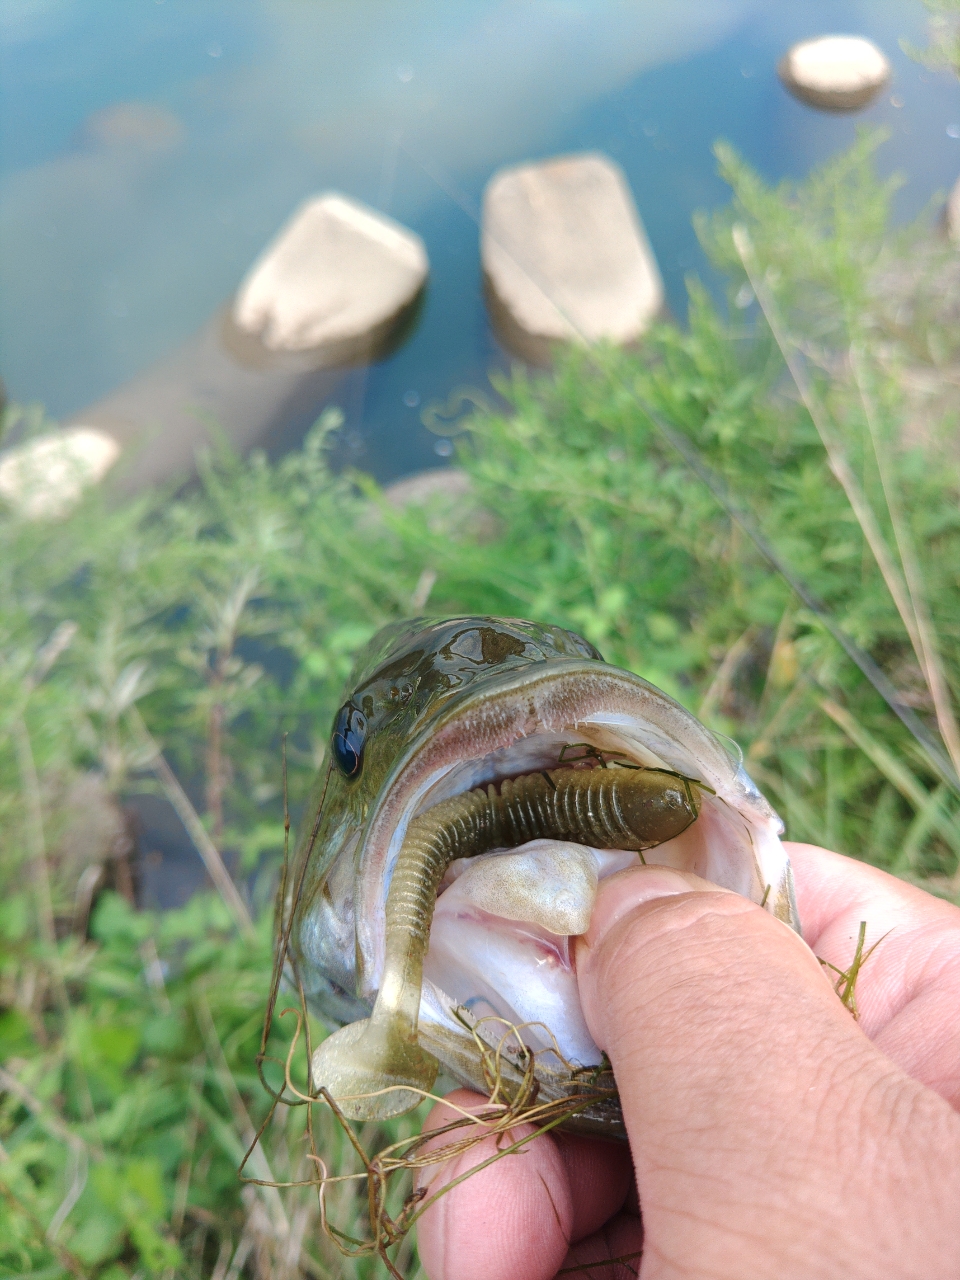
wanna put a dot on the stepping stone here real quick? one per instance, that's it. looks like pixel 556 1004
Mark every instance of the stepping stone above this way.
pixel 45 477
pixel 448 497
pixel 835 73
pixel 449 484
pixel 335 282
pixel 565 257
pixel 334 288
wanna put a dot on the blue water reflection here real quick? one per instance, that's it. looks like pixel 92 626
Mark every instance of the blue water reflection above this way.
pixel 123 229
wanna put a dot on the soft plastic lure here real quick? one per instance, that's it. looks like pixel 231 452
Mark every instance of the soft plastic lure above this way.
pixel 613 808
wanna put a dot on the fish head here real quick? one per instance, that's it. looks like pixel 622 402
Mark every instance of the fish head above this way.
pixel 402 681
pixel 434 709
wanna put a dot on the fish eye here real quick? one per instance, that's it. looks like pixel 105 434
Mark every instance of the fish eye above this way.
pixel 349 736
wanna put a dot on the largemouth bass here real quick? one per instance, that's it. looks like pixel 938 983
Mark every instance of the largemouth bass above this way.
pixel 484 775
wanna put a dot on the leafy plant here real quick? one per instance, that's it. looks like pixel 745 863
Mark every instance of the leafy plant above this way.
pixel 943 51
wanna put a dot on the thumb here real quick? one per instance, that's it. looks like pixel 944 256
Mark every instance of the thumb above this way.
pixel 769 1137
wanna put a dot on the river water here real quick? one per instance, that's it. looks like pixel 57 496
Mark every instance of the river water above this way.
pixel 150 148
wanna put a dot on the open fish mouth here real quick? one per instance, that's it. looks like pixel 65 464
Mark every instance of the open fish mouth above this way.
pixel 477 862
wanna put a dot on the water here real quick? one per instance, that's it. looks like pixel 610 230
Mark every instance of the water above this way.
pixel 121 231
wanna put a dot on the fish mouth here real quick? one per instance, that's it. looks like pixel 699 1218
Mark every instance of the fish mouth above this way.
pixel 519 967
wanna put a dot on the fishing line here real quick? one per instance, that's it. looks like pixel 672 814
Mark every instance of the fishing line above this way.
pixel 718 488
pixel 283 957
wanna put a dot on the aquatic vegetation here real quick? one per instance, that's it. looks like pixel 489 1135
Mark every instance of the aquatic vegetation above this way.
pixel 943 50
pixel 169 643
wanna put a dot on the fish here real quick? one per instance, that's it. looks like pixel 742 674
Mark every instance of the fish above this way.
pixel 483 776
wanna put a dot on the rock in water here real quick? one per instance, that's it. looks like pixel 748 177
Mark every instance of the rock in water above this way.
pixel 565 256
pixel 332 289
pixel 335 282
pixel 835 73
pixel 449 483
pixel 44 477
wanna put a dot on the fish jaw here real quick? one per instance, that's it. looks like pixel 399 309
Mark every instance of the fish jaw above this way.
pixel 517 724
pixel 502 941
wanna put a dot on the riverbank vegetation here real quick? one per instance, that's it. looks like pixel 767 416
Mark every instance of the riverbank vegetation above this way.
pixel 759 512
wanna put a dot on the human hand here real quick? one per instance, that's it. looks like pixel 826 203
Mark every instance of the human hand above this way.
pixel 771 1134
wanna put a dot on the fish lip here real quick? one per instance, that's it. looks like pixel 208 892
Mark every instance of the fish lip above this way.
pixel 498 710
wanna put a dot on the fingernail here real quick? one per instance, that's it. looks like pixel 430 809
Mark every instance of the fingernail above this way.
pixel 622 893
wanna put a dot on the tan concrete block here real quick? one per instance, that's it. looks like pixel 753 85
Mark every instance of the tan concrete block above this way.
pixel 565 256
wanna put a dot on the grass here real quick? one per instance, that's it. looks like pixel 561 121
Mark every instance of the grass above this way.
pixel 166 645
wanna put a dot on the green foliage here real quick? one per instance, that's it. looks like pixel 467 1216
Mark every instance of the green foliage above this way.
pixel 943 51
pixel 129 1104
pixel 211 622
